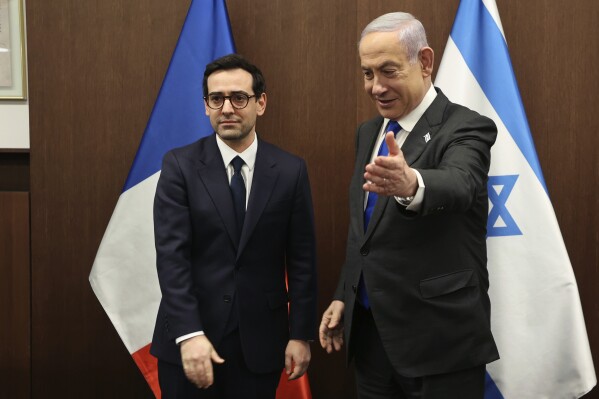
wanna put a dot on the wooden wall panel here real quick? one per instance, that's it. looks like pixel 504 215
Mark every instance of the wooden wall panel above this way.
pixel 92 87
pixel 15 294
pixel 95 68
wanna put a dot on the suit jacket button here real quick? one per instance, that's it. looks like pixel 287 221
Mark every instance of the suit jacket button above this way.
pixel 227 298
pixel 354 288
pixel 364 251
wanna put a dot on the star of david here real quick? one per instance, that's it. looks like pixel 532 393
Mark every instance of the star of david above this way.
pixel 500 222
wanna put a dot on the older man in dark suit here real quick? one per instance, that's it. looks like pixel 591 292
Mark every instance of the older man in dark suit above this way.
pixel 233 218
pixel 412 299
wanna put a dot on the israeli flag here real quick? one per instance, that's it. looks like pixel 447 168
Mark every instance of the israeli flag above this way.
pixel 536 316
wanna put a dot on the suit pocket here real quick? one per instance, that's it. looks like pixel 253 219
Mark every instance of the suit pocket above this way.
pixel 277 299
pixel 447 283
pixel 282 205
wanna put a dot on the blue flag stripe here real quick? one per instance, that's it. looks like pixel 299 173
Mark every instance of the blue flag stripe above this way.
pixel 178 116
pixel 485 51
pixel 491 390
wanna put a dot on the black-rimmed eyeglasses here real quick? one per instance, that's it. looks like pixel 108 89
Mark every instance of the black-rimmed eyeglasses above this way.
pixel 237 100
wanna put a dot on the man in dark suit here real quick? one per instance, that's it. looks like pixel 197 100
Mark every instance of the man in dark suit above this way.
pixel 412 301
pixel 233 220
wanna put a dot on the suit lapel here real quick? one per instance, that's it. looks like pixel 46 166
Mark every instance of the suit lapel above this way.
pixel 263 182
pixel 425 129
pixel 213 174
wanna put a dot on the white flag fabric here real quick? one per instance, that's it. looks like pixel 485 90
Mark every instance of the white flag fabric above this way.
pixel 536 315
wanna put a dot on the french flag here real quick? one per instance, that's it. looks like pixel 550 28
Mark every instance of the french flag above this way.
pixel 123 275
pixel 536 316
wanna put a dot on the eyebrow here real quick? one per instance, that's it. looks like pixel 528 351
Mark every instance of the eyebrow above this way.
pixel 220 93
pixel 388 64
pixel 384 65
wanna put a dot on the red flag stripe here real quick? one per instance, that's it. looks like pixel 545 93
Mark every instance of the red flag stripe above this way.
pixel 148 365
pixel 297 389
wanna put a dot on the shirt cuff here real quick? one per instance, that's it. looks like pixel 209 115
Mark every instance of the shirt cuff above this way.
pixel 187 336
pixel 416 203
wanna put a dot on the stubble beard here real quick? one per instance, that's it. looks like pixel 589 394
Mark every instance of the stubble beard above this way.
pixel 234 135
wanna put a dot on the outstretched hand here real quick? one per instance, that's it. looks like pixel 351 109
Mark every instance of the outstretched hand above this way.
pixel 391 175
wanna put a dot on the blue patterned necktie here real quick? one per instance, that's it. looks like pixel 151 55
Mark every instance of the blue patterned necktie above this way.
pixel 394 127
pixel 238 191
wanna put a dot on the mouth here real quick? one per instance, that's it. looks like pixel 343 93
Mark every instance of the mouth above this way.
pixel 385 102
pixel 228 122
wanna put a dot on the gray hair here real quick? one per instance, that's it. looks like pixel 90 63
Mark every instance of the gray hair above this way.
pixel 410 32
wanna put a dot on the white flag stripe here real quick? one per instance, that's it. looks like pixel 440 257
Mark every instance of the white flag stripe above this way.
pixel 126 265
pixel 492 8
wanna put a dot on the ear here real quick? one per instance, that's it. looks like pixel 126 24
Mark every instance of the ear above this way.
pixel 427 60
pixel 261 105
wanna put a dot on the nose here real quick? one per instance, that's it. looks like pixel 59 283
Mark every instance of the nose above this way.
pixel 378 86
pixel 227 107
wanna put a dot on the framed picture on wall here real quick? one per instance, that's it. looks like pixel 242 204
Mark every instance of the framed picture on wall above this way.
pixel 13 69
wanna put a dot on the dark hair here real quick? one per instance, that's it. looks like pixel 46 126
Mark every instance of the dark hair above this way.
pixel 235 61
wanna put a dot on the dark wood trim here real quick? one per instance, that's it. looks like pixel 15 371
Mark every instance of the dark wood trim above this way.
pixel 15 295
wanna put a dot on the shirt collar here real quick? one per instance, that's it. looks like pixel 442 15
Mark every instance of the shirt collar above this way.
pixel 408 122
pixel 248 155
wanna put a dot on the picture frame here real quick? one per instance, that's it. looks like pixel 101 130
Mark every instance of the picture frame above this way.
pixel 13 68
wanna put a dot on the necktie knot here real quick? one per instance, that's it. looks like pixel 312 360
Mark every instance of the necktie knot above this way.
pixel 237 163
pixel 394 127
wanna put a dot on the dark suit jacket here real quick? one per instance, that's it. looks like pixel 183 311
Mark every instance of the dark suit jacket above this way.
pixel 426 272
pixel 204 272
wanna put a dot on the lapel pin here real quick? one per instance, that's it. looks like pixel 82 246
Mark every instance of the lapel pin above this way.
pixel 427 137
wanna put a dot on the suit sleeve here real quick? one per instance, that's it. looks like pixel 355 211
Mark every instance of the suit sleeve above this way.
pixel 173 238
pixel 301 262
pixel 459 178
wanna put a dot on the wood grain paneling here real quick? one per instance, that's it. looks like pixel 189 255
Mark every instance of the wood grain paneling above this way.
pixel 15 294
pixel 95 68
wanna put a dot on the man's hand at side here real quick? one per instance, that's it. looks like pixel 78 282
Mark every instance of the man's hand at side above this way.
pixel 197 355
pixel 331 327
pixel 297 358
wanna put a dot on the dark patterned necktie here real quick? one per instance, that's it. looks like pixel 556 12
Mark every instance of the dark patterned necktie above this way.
pixel 238 191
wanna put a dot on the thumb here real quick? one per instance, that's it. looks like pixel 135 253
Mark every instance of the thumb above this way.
pixel 216 358
pixel 334 320
pixel 288 363
pixel 392 144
